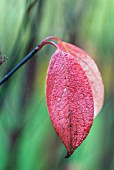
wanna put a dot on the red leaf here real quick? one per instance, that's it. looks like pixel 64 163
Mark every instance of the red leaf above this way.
pixel 69 100
pixel 91 71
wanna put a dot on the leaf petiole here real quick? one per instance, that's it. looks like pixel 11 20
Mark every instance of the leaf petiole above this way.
pixel 28 57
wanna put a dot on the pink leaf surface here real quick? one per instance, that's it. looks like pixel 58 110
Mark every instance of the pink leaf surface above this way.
pixel 91 71
pixel 69 100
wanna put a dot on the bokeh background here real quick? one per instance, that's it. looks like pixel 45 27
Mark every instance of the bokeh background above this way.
pixel 27 138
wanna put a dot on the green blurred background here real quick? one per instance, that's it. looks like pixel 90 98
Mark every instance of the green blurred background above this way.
pixel 27 138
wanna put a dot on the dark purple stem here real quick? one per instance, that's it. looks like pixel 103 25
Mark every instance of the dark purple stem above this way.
pixel 28 57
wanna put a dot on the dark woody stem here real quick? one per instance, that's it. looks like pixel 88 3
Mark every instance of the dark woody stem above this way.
pixel 28 57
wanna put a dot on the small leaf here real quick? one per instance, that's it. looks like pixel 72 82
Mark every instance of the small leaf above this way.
pixel 91 71
pixel 69 100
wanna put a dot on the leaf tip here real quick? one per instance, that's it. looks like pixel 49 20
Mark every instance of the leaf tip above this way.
pixel 67 156
pixel 69 153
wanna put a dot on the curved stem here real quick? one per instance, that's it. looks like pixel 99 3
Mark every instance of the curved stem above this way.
pixel 52 38
pixel 28 57
pixel 46 42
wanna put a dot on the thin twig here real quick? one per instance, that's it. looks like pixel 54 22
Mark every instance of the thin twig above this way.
pixel 28 57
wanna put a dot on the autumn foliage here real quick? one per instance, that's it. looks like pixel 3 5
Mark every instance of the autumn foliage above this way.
pixel 74 91
pixel 74 94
